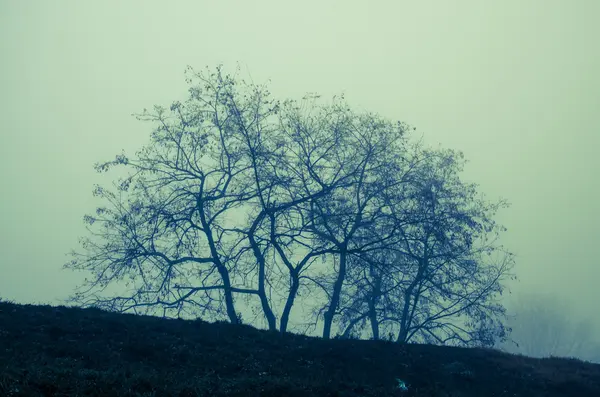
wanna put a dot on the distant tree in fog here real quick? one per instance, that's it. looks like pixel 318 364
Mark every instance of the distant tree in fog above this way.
pixel 543 325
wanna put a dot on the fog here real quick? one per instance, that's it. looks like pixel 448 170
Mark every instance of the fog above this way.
pixel 512 84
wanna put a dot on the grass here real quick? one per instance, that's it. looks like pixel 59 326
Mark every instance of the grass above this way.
pixel 61 351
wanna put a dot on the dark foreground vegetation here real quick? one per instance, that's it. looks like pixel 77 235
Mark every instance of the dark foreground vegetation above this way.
pixel 60 351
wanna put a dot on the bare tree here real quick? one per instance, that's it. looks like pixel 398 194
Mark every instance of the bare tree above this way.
pixel 228 153
pixel 238 195
pixel 284 176
pixel 440 282
pixel 368 151
pixel 165 228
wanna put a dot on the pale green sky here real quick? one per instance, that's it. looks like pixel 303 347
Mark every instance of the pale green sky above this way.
pixel 514 84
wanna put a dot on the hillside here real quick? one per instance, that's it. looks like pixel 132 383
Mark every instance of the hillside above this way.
pixel 60 351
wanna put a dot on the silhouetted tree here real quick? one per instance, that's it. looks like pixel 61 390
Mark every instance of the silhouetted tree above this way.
pixel 440 282
pixel 239 195
pixel 165 224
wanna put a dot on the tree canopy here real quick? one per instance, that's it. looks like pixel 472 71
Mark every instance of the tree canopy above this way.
pixel 241 200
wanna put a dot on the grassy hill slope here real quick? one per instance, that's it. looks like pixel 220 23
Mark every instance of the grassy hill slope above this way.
pixel 60 351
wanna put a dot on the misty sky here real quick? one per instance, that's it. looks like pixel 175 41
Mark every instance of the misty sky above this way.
pixel 514 84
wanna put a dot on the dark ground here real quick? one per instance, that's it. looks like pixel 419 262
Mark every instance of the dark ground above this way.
pixel 60 351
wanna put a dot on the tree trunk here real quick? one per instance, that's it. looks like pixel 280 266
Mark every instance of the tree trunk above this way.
pixel 403 333
pixel 229 303
pixel 373 320
pixel 376 292
pixel 335 297
pixel 350 326
pixel 264 301
pixel 285 316
pixel 407 317
pixel 222 269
